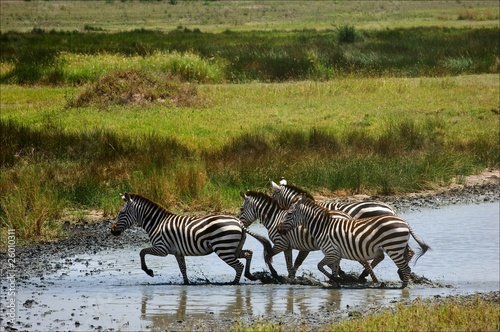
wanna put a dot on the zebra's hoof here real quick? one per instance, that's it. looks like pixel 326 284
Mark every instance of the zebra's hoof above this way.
pixel 250 277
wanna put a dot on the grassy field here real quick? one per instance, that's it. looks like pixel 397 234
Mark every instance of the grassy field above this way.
pixel 218 16
pixel 360 135
pixel 454 314
pixel 188 102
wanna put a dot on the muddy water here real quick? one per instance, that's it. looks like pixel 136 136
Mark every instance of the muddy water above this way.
pixel 108 290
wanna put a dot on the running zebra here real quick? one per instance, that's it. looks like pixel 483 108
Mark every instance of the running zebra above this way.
pixel 260 206
pixel 359 240
pixel 187 236
pixel 285 194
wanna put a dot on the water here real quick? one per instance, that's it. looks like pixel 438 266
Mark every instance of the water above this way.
pixel 110 290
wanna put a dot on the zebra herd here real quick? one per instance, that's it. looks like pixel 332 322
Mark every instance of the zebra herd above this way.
pixel 360 231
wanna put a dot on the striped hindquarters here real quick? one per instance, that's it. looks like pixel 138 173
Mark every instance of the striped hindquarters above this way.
pixel 363 238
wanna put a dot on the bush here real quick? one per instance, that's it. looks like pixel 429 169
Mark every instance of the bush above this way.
pixel 347 34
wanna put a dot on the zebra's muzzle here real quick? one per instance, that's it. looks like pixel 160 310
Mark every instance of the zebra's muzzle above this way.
pixel 115 231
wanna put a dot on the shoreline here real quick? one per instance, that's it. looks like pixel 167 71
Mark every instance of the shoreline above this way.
pixel 47 258
pixel 92 237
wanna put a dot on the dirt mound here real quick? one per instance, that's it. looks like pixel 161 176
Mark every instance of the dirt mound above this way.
pixel 132 87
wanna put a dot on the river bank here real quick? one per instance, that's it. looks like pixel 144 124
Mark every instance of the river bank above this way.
pixel 91 237
pixel 82 254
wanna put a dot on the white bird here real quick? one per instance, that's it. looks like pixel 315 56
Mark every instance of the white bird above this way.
pixel 283 181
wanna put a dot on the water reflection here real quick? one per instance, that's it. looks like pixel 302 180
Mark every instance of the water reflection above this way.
pixel 180 304
pixel 186 303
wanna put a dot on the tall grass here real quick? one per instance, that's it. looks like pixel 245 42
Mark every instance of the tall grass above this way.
pixel 46 170
pixel 30 204
pixel 82 68
pixel 450 315
pixel 246 56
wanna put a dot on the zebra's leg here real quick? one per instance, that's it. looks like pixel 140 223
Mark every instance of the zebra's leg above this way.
pixel 182 266
pixel 232 260
pixel 277 248
pixel 333 262
pixel 289 263
pixel 409 252
pixel 380 257
pixel 369 269
pixel 247 255
pixel 150 251
pixel 302 255
pixel 404 270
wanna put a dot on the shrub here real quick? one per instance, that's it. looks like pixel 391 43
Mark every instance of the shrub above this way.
pixel 347 34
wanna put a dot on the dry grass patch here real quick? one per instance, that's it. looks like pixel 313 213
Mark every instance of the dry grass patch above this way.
pixel 136 87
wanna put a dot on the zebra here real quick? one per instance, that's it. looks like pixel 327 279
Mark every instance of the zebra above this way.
pixel 363 239
pixel 285 194
pixel 257 205
pixel 187 235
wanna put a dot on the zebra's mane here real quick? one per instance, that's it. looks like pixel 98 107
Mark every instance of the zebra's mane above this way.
pixel 299 191
pixel 148 201
pixel 315 206
pixel 264 196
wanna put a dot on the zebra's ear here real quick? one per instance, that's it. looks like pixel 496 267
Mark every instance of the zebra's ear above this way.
pixel 126 197
pixel 275 186
pixel 242 194
pixel 297 199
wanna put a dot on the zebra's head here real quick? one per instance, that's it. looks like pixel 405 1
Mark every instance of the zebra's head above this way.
pixel 285 193
pixel 248 212
pixel 125 217
pixel 292 218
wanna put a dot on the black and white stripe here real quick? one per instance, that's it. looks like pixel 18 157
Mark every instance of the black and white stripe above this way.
pixel 259 206
pixel 186 235
pixel 359 240
pixel 285 194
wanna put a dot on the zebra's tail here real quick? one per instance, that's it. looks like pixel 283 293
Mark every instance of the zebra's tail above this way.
pixel 268 247
pixel 423 246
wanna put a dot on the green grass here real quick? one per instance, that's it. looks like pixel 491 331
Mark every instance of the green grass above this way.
pixel 218 16
pixel 421 315
pixel 450 315
pixel 271 56
pixel 375 136
pixel 104 97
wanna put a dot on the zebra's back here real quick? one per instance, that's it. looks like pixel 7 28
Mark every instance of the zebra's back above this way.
pixel 360 210
pixel 286 194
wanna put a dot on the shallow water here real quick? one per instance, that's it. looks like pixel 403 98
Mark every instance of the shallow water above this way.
pixel 109 289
